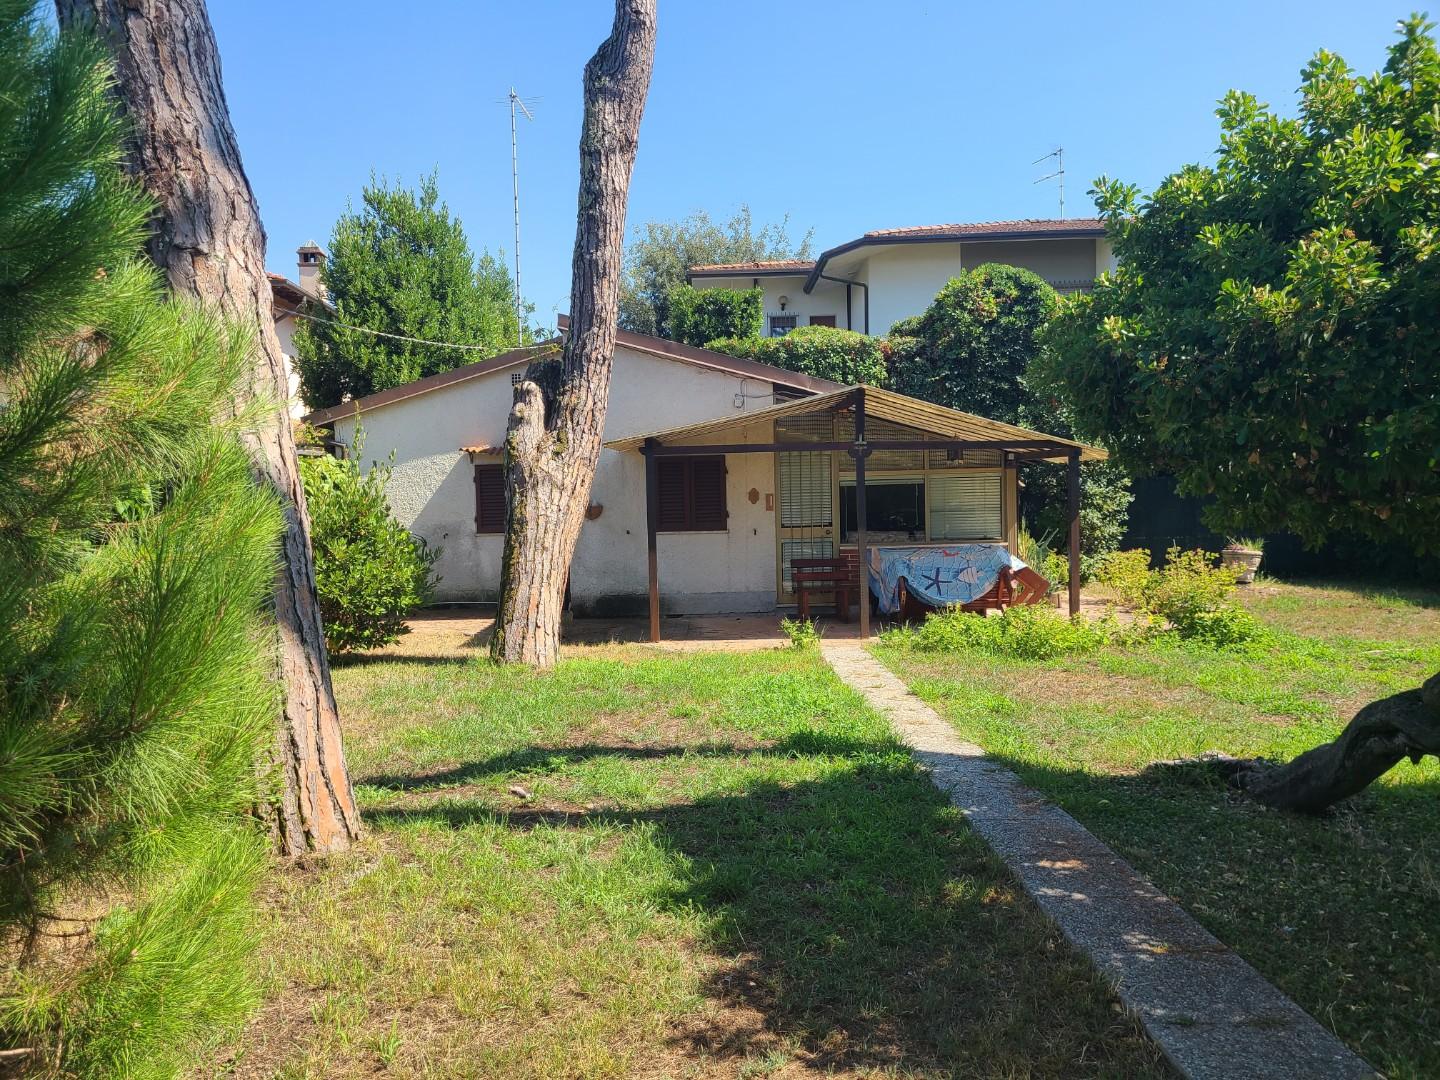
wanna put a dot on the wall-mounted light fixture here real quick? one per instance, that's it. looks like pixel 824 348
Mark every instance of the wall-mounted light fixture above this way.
pixel 783 301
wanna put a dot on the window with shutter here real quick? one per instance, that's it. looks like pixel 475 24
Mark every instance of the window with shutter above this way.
pixel 691 494
pixel 489 498
pixel 965 506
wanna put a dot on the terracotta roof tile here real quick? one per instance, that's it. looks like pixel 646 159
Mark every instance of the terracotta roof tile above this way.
pixel 800 266
pixel 989 228
pixel 480 448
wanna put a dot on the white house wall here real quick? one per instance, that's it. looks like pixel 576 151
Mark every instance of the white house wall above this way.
pixel 904 278
pixel 432 491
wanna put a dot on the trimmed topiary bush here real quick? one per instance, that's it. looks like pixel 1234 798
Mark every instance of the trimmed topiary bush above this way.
pixel 825 352
pixel 700 315
pixel 370 572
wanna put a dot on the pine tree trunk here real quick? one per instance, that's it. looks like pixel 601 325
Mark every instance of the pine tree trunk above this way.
pixel 210 243
pixel 558 416
pixel 1378 737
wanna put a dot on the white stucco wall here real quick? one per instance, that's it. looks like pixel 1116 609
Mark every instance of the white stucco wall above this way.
pixel 432 490
pixel 285 331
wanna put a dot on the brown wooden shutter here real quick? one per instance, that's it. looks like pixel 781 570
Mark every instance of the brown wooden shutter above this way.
pixel 707 498
pixel 691 494
pixel 489 498
pixel 672 476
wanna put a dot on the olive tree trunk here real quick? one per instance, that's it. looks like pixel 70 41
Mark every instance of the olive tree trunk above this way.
pixel 553 441
pixel 209 241
pixel 1378 737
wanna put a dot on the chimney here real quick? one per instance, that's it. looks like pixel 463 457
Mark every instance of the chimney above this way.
pixel 312 258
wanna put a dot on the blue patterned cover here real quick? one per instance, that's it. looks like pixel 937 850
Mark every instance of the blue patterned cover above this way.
pixel 941 576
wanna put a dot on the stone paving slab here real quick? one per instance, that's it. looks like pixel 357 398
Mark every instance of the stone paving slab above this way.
pixel 1212 1014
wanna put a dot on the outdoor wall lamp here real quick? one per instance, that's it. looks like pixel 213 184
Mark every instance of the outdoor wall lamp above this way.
pixel 783 301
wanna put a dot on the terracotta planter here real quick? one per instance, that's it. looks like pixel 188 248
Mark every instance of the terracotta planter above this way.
pixel 1246 560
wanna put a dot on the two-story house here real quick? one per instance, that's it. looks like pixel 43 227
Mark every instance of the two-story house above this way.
pixel 870 283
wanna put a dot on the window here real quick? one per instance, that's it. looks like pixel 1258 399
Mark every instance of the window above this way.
pixel 964 507
pixel 892 506
pixel 822 320
pixel 780 325
pixel 692 494
pixel 489 498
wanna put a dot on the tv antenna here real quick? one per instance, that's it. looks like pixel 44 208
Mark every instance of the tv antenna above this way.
pixel 515 101
pixel 1059 174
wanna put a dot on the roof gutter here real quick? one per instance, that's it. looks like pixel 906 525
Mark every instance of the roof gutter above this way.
pixel 849 323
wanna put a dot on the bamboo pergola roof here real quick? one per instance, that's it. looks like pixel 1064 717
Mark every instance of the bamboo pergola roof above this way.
pixel 945 424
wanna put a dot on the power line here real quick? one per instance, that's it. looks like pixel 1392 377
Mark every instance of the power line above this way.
pixel 402 337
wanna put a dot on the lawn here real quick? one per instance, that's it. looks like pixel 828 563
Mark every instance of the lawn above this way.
pixel 1340 911
pixel 652 864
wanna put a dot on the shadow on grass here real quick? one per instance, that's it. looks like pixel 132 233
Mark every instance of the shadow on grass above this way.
pixel 359 660
pixel 1315 903
pixel 854 918
pixel 546 760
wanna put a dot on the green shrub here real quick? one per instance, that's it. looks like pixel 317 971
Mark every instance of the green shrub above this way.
pixel 370 573
pixel 1190 591
pixel 1056 570
pixel 701 315
pixel 825 352
pixel 1126 572
pixel 803 633
pixel 1030 633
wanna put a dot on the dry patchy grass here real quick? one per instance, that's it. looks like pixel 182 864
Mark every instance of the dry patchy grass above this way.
pixel 658 865
pixel 1341 911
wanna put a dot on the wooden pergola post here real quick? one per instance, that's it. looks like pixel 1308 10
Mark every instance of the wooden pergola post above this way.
pixel 862 554
pixel 652 521
pixel 1074 508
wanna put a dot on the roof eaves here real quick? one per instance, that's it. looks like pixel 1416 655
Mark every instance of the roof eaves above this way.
pixel 405 391
pixel 952 234
pixel 730 365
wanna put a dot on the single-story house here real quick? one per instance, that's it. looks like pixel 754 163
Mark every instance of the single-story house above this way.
pixel 725 468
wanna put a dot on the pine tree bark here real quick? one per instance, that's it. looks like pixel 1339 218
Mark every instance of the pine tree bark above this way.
pixel 209 241
pixel 558 416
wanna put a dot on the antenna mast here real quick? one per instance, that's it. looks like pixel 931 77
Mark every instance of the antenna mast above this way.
pixel 1059 174
pixel 516 102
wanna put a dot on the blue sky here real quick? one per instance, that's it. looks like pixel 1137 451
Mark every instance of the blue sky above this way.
pixel 845 115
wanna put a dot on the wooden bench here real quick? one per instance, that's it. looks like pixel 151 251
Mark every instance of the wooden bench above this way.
pixel 836 574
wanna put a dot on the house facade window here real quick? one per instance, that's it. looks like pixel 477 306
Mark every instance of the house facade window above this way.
pixel 780 325
pixel 489 498
pixel 691 494
pixel 822 320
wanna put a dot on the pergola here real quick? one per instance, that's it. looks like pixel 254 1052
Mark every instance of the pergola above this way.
pixel 947 430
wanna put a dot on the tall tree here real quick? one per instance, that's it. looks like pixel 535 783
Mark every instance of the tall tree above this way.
pixel 553 441
pixel 402 265
pixel 662 251
pixel 208 240
pixel 1270 338
pixel 136 555
pixel 970 349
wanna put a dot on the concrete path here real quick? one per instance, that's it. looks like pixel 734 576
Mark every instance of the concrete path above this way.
pixel 1210 1012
